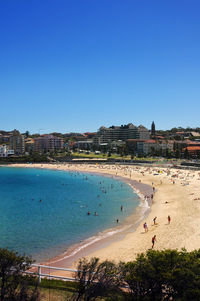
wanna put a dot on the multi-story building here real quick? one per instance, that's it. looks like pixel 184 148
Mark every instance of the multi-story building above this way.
pixel 193 151
pixel 123 132
pixel 86 145
pixel 29 145
pixel 4 138
pixel 48 143
pixel 149 147
pixel 17 142
pixel 142 133
pixel 5 151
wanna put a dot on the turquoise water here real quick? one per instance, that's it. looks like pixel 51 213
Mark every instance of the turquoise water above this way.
pixel 42 212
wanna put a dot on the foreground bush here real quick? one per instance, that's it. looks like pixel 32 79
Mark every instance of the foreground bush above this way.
pixel 168 275
pixel 96 279
pixel 13 285
pixel 156 275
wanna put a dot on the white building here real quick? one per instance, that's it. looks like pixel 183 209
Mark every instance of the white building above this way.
pixel 5 152
pixel 151 146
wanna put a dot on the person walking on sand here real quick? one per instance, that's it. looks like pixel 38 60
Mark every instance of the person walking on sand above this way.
pixel 145 227
pixel 169 219
pixel 153 241
pixel 154 220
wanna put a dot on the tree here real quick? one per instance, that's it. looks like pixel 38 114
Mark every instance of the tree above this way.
pixel 153 130
pixel 27 134
pixel 186 154
pixel 96 279
pixel 177 154
pixel 13 285
pixel 164 275
pixel 153 276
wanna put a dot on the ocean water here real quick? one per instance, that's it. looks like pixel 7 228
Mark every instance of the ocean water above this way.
pixel 42 212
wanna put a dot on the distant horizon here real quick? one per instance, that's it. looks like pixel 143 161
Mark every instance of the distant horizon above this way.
pixel 92 131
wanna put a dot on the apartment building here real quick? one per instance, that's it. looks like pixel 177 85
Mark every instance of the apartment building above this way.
pixel 148 147
pixel 29 145
pixel 86 145
pixel 4 138
pixel 17 143
pixel 48 143
pixel 123 132
pixel 5 151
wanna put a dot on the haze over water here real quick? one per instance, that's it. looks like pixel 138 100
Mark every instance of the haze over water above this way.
pixel 42 212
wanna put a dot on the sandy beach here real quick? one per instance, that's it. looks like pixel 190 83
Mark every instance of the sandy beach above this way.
pixel 176 194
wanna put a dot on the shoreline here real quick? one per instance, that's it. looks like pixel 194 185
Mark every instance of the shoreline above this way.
pixel 106 237
pixel 179 200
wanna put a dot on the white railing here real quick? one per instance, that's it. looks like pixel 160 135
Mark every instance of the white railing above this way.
pixel 41 275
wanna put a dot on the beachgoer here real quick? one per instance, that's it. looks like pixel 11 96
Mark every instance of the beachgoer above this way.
pixel 153 241
pixel 121 208
pixel 169 219
pixel 145 227
pixel 154 220
pixel 117 221
pixel 88 213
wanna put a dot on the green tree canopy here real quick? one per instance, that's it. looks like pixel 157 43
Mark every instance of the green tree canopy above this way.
pixel 13 284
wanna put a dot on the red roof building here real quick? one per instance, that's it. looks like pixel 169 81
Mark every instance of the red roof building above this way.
pixel 193 150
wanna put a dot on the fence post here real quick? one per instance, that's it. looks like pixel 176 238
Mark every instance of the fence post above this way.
pixel 39 273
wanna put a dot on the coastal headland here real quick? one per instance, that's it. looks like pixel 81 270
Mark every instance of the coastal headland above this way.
pixel 175 193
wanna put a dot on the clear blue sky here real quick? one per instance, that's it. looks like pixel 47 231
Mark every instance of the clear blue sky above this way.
pixel 74 65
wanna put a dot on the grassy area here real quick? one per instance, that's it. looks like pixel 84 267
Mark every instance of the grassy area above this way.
pixel 90 155
pixel 118 157
pixel 102 156
pixel 64 290
pixel 56 290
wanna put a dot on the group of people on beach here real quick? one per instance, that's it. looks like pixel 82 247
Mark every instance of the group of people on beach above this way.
pixel 154 223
